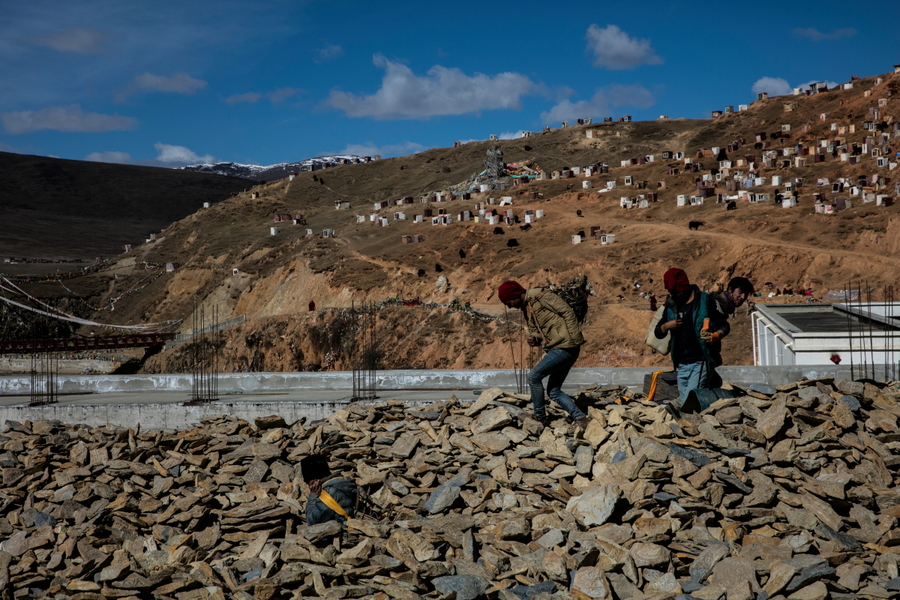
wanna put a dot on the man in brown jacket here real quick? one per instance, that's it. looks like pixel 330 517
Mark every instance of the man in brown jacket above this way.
pixel 552 324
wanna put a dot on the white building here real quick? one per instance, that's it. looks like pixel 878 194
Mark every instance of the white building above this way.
pixel 819 334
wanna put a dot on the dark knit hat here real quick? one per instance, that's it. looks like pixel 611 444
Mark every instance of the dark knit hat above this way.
pixel 314 466
pixel 676 280
pixel 509 290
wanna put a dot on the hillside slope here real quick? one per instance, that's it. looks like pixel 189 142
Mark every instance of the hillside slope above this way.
pixel 55 208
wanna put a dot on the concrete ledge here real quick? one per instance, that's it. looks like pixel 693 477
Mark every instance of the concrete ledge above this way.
pixel 167 410
pixel 745 376
pixel 397 380
pixel 172 415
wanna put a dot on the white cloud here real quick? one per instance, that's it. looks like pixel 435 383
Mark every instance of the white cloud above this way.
pixel 568 111
pixel 64 118
pixel 616 50
pixel 180 156
pixel 816 35
pixel 274 97
pixel 510 135
pixel 79 40
pixel 776 86
pixel 122 158
pixel 329 53
pixel 390 150
pixel 442 91
pixel 193 37
pixel 773 86
pixel 612 95
pixel 282 94
pixel 250 97
pixel 628 95
pixel 179 83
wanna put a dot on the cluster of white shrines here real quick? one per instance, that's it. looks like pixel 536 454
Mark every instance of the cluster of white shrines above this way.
pixel 743 177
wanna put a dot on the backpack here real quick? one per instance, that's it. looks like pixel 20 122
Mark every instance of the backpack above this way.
pixel 575 293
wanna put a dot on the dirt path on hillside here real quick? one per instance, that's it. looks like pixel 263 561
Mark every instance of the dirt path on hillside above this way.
pixel 730 237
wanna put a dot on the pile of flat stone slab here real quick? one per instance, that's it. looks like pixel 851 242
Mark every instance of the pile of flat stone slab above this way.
pixel 787 493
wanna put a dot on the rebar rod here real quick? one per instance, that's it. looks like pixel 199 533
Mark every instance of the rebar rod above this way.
pixel 862 334
pixel 523 369
pixel 44 366
pixel 895 362
pixel 374 339
pixel 892 357
pixel 195 392
pixel 355 347
pixel 886 338
pixel 848 306
pixel 203 356
pixel 364 352
pixel 867 330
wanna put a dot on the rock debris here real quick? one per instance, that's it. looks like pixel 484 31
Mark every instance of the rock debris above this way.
pixel 779 493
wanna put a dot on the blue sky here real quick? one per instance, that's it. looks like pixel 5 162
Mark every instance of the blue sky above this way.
pixel 171 83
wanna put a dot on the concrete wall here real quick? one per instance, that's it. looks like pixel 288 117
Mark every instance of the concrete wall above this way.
pixel 156 401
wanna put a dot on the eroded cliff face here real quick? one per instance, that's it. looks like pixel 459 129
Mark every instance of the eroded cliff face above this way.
pixel 418 337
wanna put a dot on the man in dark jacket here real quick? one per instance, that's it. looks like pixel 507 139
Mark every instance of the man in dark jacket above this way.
pixel 551 323
pixel 695 347
pixel 330 499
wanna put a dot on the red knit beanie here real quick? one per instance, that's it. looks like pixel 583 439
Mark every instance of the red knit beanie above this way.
pixel 509 290
pixel 676 280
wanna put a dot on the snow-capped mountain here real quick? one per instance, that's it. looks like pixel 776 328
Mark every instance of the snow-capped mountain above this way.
pixel 273 172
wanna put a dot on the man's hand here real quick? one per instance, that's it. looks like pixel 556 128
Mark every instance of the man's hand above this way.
pixel 710 337
pixel 670 325
pixel 533 341
pixel 315 486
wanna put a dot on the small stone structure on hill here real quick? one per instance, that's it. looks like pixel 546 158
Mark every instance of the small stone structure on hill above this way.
pixel 493 163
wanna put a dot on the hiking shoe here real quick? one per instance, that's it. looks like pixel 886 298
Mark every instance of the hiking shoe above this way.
pixel 543 420
pixel 577 427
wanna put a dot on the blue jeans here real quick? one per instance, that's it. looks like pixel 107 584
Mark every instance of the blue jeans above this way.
pixel 692 376
pixel 555 365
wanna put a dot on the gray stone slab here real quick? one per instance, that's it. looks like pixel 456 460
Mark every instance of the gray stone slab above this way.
pixel 466 587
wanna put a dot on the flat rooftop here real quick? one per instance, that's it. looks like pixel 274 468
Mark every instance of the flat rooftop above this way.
pixel 834 318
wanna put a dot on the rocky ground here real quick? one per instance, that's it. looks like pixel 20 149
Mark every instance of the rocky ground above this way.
pixel 787 493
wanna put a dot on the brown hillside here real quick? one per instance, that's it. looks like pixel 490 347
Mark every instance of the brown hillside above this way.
pixel 278 275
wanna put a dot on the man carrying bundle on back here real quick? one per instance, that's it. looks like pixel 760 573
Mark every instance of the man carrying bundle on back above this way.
pixel 551 323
